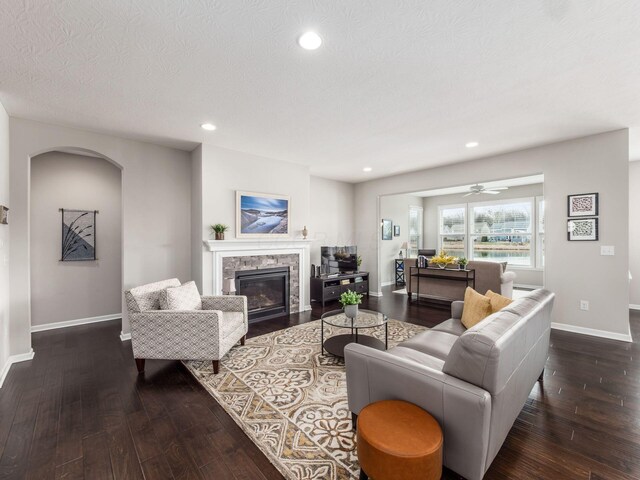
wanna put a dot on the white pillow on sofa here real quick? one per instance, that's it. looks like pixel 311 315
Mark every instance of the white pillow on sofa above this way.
pixel 184 297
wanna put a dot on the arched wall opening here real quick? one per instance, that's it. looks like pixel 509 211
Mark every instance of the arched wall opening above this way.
pixel 74 291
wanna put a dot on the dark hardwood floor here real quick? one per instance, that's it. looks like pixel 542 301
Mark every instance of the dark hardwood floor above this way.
pixel 79 410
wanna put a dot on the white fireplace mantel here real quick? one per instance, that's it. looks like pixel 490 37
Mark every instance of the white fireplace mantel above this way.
pixel 262 246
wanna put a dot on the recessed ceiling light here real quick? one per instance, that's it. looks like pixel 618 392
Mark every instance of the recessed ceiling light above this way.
pixel 309 41
pixel 208 126
pixel 367 169
pixel 471 144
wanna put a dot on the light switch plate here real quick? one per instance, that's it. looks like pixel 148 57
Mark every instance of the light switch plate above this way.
pixel 607 250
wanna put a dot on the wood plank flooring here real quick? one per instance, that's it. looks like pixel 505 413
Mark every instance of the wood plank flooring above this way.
pixel 79 410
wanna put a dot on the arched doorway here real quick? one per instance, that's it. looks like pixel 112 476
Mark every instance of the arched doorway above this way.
pixel 69 287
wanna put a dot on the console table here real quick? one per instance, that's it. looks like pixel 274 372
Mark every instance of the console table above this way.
pixel 441 275
pixel 328 287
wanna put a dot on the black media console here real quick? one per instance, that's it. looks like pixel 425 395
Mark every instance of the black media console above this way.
pixel 327 288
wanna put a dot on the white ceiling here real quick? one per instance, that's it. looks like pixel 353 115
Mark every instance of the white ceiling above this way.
pixel 397 86
pixel 512 182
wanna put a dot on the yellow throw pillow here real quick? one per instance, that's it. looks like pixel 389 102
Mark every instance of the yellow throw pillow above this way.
pixel 498 302
pixel 477 307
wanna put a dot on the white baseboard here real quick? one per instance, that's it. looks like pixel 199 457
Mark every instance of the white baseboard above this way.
pixel 125 336
pixel 633 306
pixel 375 294
pixel 15 359
pixel 386 284
pixel 306 308
pixel 73 323
pixel 624 337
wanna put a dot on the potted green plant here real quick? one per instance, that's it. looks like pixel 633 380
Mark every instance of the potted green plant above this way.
pixel 219 230
pixel 462 263
pixel 359 261
pixel 350 301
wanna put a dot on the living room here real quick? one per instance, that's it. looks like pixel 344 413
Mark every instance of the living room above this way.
pixel 198 253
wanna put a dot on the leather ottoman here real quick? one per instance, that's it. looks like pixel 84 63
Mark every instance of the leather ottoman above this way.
pixel 397 440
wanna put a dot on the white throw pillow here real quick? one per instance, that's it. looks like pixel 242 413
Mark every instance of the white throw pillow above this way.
pixel 184 297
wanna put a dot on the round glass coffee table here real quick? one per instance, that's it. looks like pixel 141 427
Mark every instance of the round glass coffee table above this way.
pixel 365 319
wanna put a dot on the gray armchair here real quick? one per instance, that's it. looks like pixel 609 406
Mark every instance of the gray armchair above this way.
pixel 206 334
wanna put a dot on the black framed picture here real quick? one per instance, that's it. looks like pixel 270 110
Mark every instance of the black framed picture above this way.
pixel 582 205
pixel 387 229
pixel 78 235
pixel 582 229
pixel 396 230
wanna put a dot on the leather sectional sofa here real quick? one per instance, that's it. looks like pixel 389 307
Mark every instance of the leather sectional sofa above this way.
pixel 474 382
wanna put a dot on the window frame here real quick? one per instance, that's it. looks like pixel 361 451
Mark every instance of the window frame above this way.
pixel 464 235
pixel 420 233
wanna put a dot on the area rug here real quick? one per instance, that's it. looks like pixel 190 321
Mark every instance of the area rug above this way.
pixel 291 400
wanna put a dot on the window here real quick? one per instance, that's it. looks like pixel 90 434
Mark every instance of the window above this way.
pixel 415 231
pixel 502 231
pixel 453 229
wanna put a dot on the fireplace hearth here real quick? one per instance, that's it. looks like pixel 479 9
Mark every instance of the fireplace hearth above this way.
pixel 267 292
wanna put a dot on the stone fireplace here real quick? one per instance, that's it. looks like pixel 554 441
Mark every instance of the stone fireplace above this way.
pixel 233 259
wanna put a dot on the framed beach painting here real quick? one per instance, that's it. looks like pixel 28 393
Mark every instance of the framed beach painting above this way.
pixel 261 215
pixel 387 229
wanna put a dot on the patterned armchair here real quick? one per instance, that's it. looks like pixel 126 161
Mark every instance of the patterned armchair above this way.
pixel 206 334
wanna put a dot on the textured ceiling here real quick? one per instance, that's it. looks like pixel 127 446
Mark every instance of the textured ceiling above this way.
pixel 397 85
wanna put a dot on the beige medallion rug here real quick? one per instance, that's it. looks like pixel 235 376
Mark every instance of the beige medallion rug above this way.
pixel 291 400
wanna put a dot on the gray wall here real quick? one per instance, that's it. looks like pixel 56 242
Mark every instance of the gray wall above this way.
pixel 325 207
pixel 332 215
pixel 5 334
pixel 634 233
pixel 63 291
pixel 525 276
pixel 395 208
pixel 156 196
pixel 196 217
pixel 225 171
pixel 574 270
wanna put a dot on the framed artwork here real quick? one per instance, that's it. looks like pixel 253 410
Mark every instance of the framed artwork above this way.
pixel 583 205
pixel 396 230
pixel 261 215
pixel 582 229
pixel 387 229
pixel 4 215
pixel 78 235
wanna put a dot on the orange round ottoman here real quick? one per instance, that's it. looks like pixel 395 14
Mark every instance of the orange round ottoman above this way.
pixel 398 441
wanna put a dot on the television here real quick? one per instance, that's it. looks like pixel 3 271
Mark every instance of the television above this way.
pixel 339 259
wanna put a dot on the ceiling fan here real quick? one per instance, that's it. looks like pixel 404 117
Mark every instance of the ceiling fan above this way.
pixel 477 189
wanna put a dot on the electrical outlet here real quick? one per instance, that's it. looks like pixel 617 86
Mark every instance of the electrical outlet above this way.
pixel 584 305
pixel 607 250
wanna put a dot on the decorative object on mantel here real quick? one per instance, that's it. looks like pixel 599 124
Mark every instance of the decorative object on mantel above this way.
pixel 218 229
pixel 582 229
pixel 350 301
pixel 396 230
pixel 582 205
pixel 78 235
pixel 405 247
pixel 305 232
pixel 229 286
pixel 387 229
pixel 4 215
pixel 261 215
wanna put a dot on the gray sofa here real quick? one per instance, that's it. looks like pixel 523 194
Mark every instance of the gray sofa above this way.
pixel 474 382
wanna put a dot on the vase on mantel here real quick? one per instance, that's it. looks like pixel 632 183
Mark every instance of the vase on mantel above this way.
pixel 219 235
pixel 351 311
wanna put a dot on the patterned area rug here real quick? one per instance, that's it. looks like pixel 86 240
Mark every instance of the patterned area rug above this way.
pixel 291 400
